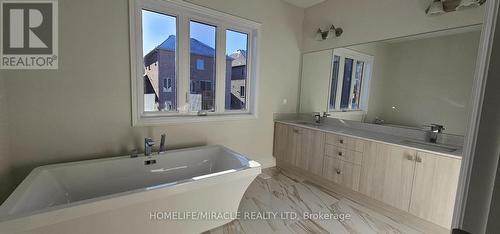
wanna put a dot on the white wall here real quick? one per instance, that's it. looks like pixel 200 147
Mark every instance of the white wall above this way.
pixel 5 175
pixel 83 110
pixel 482 208
pixel 380 53
pixel 368 20
pixel 315 80
pixel 427 80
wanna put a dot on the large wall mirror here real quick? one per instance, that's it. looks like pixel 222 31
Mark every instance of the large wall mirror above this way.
pixel 408 82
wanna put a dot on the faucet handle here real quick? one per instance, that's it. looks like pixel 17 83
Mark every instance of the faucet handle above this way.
pixel 149 141
pixel 435 127
pixel 438 126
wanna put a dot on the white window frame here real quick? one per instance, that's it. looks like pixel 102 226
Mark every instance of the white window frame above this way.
pixel 365 84
pixel 184 13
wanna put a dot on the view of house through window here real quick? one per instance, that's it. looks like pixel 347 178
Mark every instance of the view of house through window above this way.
pixel 236 71
pixel 333 86
pixel 159 47
pixel 204 87
pixel 349 70
pixel 202 72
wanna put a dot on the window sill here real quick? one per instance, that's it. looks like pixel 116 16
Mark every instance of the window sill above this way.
pixel 347 111
pixel 169 120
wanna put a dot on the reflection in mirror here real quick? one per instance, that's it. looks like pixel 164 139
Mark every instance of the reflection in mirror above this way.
pixel 406 82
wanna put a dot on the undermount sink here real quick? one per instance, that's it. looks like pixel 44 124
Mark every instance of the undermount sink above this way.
pixel 429 146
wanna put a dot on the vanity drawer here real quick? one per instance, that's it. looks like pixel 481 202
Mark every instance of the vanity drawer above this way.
pixel 343 154
pixel 342 172
pixel 345 142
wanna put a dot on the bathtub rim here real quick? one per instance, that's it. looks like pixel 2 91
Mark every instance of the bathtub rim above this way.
pixel 95 205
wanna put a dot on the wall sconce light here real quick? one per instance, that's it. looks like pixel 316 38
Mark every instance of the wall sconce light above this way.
pixel 438 7
pixel 466 4
pixel 327 34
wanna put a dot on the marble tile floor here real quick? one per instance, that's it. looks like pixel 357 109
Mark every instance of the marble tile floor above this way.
pixel 284 195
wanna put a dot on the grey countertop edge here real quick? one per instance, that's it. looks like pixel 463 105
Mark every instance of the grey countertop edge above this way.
pixel 456 154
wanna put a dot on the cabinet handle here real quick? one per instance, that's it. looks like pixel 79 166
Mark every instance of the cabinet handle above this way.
pixel 411 158
pixel 340 153
pixel 296 131
pixel 341 141
pixel 418 159
pixel 339 172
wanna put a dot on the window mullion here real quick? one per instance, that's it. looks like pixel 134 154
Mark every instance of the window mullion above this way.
pixel 183 59
pixel 220 71
pixel 340 81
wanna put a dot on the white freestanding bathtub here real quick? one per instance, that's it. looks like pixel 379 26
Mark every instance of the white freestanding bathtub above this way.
pixel 157 194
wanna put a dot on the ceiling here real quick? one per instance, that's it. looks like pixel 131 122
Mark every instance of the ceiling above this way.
pixel 304 3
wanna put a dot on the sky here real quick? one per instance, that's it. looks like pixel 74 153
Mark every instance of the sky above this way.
pixel 157 27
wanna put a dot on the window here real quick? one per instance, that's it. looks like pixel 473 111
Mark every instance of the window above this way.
pixel 236 76
pixel 202 48
pixel 349 83
pixel 167 85
pixel 159 58
pixel 242 91
pixel 200 64
pixel 190 60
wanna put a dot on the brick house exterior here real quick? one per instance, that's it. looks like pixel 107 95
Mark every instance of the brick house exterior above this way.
pixel 160 77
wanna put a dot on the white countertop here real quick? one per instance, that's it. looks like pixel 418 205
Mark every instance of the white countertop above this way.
pixel 377 137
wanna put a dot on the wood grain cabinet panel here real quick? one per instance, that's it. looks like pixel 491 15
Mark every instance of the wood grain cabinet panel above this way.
pixel 312 150
pixel 300 147
pixel 280 141
pixel 345 142
pixel 435 187
pixel 343 154
pixel 387 174
pixel 286 143
pixel 342 172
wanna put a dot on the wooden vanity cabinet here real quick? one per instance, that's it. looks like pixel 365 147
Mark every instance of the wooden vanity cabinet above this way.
pixel 300 147
pixel 423 184
pixel 387 174
pixel 434 188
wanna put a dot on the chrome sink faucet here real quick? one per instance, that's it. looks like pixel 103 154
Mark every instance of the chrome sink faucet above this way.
pixel 318 117
pixel 148 146
pixel 149 143
pixel 434 131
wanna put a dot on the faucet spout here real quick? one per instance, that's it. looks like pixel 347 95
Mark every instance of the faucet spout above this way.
pixel 434 131
pixel 162 143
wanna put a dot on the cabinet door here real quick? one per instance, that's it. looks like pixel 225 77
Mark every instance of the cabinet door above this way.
pixel 435 187
pixel 280 141
pixel 286 143
pixel 312 147
pixel 387 174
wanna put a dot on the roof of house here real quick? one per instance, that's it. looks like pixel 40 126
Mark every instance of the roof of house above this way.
pixel 240 58
pixel 197 47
